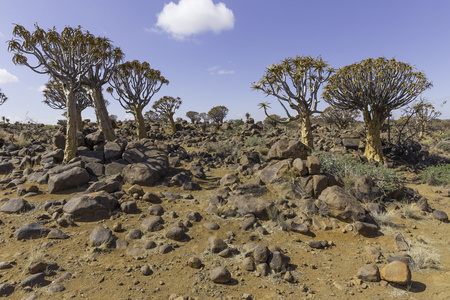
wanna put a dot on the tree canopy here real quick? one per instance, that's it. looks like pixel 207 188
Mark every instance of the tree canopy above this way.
pixel 166 106
pixel 217 114
pixel 193 116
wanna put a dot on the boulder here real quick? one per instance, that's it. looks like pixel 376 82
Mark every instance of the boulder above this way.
pixel 143 173
pixel 101 236
pixel 396 272
pixel 369 273
pixel 6 167
pixel 220 275
pixel 31 231
pixel 154 223
pixel 90 207
pixel 216 244
pixel 273 173
pixel 71 178
pixel 285 148
pixel 278 261
pixel 366 190
pixel 263 209
pixel 342 205
pixel 440 215
pixel 15 205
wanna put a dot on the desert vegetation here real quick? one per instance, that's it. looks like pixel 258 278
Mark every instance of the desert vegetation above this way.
pixel 159 207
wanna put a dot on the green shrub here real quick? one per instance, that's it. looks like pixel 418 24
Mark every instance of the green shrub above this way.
pixel 255 141
pixel 349 169
pixel 436 175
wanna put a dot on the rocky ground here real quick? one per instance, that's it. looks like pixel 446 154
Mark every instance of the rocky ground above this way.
pixel 200 216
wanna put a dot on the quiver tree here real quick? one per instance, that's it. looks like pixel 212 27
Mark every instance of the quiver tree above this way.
pixel 56 99
pixel 135 84
pixel 217 114
pixel 425 113
pixel 65 56
pixel 97 76
pixel 166 106
pixel 2 97
pixel 295 82
pixel 193 116
pixel 375 87
pixel 342 118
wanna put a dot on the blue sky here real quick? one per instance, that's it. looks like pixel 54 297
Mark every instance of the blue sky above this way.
pixel 211 51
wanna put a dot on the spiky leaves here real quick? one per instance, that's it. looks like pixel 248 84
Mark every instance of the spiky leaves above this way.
pixel 375 87
pixel 166 106
pixel 65 56
pixel 135 83
pixel 296 82
pixel 3 97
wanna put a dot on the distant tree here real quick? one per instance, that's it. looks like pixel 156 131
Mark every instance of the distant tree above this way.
pixel 273 120
pixel 166 106
pixel 247 116
pixel 193 116
pixel 342 118
pixel 217 114
pixel 2 97
pixel 425 113
pixel 375 87
pixel 56 99
pixel 295 82
pixel 97 76
pixel 66 56
pixel 135 83
pixel 152 116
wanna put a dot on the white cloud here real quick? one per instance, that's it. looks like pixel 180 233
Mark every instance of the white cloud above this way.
pixel 6 77
pixel 217 71
pixel 191 17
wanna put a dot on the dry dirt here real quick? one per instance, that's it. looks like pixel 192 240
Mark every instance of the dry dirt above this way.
pixel 318 274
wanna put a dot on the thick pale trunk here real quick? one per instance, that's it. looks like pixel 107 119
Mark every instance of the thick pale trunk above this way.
pixel 70 150
pixel 140 123
pixel 374 149
pixel 172 124
pixel 423 127
pixel 101 112
pixel 306 132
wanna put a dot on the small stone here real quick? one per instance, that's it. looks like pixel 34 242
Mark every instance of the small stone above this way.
pixel 175 233
pixel 56 288
pixel 400 243
pixel 248 264
pixel 216 244
pixel 212 226
pixel 117 227
pixel 37 267
pixel 369 273
pixel 194 262
pixel 220 275
pixel 145 270
pixel 288 277
pixel 6 289
pixel 165 249
pixel 149 245
pixel 366 229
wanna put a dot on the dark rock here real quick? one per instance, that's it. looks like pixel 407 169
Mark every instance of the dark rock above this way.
pixel 154 223
pixel 90 207
pixel 129 207
pixel 6 289
pixel 134 234
pixel 71 178
pixel 37 267
pixel 342 205
pixel 366 229
pixel 175 233
pixel 278 261
pixel 274 172
pixel 36 280
pixel 263 209
pixel 285 148
pixel 101 236
pixel 369 273
pixel 216 244
pixel 57 234
pixel 6 167
pixel 440 215
pixel 366 190
pixel 31 231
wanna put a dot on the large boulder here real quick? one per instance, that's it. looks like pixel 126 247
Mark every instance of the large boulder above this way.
pixel 343 205
pixel 147 165
pixel 14 206
pixel 396 272
pixel 31 231
pixel 90 207
pixel 71 178
pixel 366 190
pixel 273 173
pixel 263 209
pixel 6 167
pixel 285 148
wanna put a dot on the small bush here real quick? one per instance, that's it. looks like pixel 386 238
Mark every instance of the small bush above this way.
pixel 349 169
pixel 436 175
pixel 255 141
pixel 384 218
pixel 424 256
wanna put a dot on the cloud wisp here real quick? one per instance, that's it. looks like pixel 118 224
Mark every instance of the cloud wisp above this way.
pixel 192 17
pixel 216 70
pixel 6 77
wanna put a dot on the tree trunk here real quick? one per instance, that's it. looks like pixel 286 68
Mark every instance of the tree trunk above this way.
pixel 140 123
pixel 306 131
pixel 374 149
pixel 79 120
pixel 70 150
pixel 104 123
pixel 172 124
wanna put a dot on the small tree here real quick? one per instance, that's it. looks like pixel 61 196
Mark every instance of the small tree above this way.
pixel 295 82
pixel 342 118
pixel 135 84
pixel 166 106
pixel 193 116
pixel 375 87
pixel 2 97
pixel 56 99
pixel 217 114
pixel 425 113
pixel 66 56
pixel 273 120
